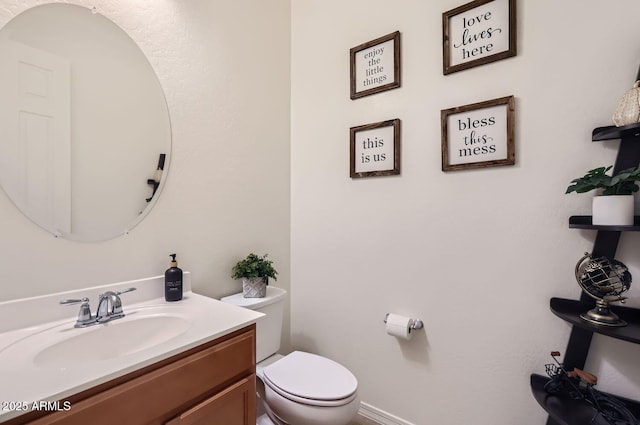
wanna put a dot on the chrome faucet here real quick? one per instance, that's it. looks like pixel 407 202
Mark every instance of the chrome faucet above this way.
pixel 109 308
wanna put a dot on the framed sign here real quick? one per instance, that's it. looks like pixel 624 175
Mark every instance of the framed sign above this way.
pixel 375 149
pixel 477 33
pixel 478 135
pixel 375 66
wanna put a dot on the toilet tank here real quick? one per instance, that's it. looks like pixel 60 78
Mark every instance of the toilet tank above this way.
pixel 269 327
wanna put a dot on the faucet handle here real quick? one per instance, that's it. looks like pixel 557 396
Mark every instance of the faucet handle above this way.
pixel 74 301
pixel 117 308
pixel 84 315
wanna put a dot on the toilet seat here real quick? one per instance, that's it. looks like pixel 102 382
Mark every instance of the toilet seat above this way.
pixel 311 379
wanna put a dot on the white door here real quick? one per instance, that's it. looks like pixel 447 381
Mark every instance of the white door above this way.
pixel 35 141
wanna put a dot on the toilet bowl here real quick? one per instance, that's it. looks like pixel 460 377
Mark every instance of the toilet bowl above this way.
pixel 300 388
pixel 304 388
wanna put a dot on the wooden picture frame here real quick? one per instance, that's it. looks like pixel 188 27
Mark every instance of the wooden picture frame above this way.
pixel 478 135
pixel 375 149
pixel 375 66
pixel 478 33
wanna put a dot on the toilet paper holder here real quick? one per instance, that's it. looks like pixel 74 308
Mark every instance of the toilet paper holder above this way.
pixel 413 323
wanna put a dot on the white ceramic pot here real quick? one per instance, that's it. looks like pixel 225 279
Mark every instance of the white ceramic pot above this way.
pixel 254 288
pixel 613 210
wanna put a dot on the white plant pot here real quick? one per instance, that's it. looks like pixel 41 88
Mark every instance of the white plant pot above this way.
pixel 613 210
pixel 254 288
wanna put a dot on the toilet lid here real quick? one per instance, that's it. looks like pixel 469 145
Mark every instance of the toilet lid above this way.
pixel 311 377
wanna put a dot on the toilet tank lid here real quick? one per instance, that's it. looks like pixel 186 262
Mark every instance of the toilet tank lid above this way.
pixel 274 294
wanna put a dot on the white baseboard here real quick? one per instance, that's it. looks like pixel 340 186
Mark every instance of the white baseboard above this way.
pixel 380 416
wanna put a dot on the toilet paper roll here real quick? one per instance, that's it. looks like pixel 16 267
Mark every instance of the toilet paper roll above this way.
pixel 399 326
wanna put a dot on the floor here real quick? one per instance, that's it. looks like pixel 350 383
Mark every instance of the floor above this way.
pixel 360 420
pixel 357 421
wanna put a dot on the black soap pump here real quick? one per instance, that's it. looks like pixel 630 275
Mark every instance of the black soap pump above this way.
pixel 173 281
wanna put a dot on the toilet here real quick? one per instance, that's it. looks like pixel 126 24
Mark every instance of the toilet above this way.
pixel 300 388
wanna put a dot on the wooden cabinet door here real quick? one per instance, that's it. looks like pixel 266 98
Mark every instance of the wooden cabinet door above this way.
pixel 234 405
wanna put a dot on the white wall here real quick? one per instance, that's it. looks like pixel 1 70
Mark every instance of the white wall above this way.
pixel 224 67
pixel 475 254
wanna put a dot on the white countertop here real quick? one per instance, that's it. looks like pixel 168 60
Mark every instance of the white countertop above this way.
pixel 22 382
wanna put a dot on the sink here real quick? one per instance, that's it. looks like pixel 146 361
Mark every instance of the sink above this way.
pixel 65 347
pixel 44 357
pixel 111 340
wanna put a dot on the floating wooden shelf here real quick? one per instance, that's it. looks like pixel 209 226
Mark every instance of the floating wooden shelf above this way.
pixel 570 310
pixel 613 132
pixel 585 222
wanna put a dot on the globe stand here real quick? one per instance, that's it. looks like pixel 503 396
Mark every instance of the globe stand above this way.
pixel 601 314
pixel 604 280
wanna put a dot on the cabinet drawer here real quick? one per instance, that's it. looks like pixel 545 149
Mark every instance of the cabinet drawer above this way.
pixel 234 405
pixel 163 393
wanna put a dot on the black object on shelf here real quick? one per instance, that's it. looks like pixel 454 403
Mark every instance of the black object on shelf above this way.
pixel 564 411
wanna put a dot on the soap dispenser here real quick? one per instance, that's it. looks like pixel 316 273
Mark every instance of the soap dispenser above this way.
pixel 173 281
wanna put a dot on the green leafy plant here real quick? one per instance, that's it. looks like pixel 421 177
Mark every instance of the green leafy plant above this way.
pixel 623 183
pixel 253 267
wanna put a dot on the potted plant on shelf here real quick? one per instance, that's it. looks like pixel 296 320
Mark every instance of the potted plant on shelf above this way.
pixel 615 204
pixel 255 272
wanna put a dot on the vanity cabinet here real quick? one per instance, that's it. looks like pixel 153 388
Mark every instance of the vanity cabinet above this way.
pixel 563 410
pixel 211 384
pixel 229 407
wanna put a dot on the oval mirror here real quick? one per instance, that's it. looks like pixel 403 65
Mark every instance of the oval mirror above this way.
pixel 84 125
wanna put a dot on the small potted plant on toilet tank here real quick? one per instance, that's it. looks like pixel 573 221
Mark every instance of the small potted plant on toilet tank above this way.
pixel 255 272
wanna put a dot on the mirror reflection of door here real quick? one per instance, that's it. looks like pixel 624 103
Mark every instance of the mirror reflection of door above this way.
pixel 35 167
pixel 89 145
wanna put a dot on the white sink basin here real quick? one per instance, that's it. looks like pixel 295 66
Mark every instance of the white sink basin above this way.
pixel 63 346
pixel 110 340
